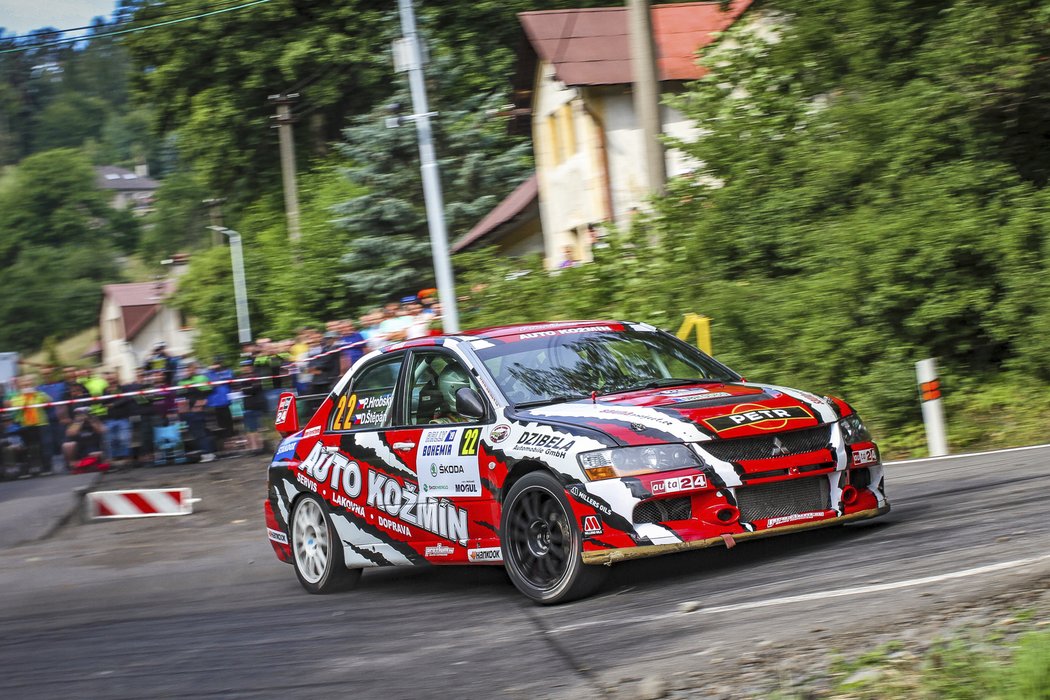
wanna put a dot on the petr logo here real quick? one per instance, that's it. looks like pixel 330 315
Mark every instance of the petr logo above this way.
pixel 759 417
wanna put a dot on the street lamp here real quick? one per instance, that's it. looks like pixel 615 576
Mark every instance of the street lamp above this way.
pixel 244 329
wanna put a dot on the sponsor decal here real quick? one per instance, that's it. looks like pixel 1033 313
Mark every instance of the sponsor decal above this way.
pixel 579 494
pixel 441 550
pixel 794 518
pixel 312 432
pixel 681 392
pixel 758 417
pixel 865 456
pixel 276 536
pixel 282 409
pixel 707 396
pixel 592 525
pixel 485 554
pixel 563 331
pixel 545 444
pixel 286 449
pixel 329 464
pixel 678 483
pixel 447 463
pixel 499 434
pixel 435 515
pixel 469 444
pixel 397 527
pixel 351 411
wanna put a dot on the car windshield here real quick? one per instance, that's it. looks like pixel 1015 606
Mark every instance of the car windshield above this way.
pixel 568 367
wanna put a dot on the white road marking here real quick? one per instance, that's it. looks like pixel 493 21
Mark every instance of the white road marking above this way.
pixel 821 595
pixel 967 454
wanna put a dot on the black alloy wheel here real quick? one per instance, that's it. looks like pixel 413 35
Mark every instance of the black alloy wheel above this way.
pixel 542 542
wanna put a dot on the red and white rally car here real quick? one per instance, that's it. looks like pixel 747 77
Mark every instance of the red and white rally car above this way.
pixel 553 449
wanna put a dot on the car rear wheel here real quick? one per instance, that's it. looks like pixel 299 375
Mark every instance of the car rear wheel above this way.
pixel 317 551
pixel 542 542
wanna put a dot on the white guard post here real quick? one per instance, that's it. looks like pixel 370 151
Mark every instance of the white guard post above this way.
pixel 932 407
pixel 139 503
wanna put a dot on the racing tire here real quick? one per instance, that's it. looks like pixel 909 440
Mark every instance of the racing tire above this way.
pixel 317 552
pixel 542 542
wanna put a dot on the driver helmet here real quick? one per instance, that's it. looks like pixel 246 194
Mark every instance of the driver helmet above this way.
pixel 452 379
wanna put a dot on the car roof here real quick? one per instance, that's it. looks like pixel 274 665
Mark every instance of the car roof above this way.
pixel 509 332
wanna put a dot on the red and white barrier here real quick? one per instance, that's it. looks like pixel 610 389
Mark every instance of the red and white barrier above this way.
pixel 139 503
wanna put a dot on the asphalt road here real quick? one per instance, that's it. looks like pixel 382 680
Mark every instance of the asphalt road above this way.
pixel 197 606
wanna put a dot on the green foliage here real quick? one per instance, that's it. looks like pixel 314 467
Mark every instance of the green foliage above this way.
pixel 869 191
pixel 389 251
pixel 288 287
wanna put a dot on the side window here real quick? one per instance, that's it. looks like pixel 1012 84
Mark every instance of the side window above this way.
pixel 433 383
pixel 368 401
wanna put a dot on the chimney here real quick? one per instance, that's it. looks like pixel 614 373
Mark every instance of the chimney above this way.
pixel 142 170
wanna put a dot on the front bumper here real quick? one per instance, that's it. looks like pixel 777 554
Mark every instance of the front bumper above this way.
pixel 612 556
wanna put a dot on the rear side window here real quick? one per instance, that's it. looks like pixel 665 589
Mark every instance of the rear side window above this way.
pixel 369 400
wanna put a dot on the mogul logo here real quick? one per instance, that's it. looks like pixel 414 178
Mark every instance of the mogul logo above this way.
pixel 465 488
pixel 404 503
pixel 758 417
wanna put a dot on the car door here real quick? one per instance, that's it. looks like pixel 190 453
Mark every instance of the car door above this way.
pixel 443 449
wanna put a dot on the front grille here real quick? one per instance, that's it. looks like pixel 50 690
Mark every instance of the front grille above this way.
pixel 762 447
pixel 662 510
pixel 782 498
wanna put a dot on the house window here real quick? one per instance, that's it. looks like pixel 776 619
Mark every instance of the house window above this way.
pixel 568 131
pixel 554 134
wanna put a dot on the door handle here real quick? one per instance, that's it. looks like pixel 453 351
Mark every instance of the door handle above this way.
pixel 404 446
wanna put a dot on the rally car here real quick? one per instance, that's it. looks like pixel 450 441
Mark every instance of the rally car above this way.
pixel 554 449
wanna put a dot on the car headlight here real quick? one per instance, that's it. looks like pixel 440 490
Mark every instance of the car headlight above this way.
pixel 631 461
pixel 853 430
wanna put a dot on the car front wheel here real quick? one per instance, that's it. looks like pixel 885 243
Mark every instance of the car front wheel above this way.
pixel 542 542
pixel 317 551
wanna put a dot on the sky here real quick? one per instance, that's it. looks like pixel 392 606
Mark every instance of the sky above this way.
pixel 23 16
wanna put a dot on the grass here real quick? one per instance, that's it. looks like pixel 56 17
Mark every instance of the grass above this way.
pixel 967 667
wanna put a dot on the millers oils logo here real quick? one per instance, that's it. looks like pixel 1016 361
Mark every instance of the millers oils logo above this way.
pixel 759 417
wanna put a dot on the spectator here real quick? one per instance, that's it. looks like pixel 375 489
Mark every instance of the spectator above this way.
pixel 32 422
pixel 57 416
pixel 353 344
pixel 254 403
pixel 218 401
pixel 160 360
pixel 395 322
pixel 569 257
pixel 118 422
pixel 83 445
pixel 324 367
pixel 194 411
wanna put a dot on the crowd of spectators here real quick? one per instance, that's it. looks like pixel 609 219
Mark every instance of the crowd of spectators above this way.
pixel 203 409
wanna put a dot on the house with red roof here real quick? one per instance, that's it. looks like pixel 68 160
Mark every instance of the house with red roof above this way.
pixel 575 87
pixel 134 318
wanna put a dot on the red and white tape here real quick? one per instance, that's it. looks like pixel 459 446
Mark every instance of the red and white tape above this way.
pixel 140 503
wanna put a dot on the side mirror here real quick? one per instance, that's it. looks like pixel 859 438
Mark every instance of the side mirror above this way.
pixel 287 420
pixel 469 404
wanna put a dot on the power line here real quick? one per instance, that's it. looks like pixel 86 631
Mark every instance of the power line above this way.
pixel 42 30
pixel 59 42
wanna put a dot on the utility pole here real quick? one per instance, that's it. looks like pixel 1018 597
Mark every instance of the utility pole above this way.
pixel 284 121
pixel 647 91
pixel 428 168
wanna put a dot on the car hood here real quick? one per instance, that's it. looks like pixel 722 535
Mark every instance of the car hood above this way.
pixel 694 413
